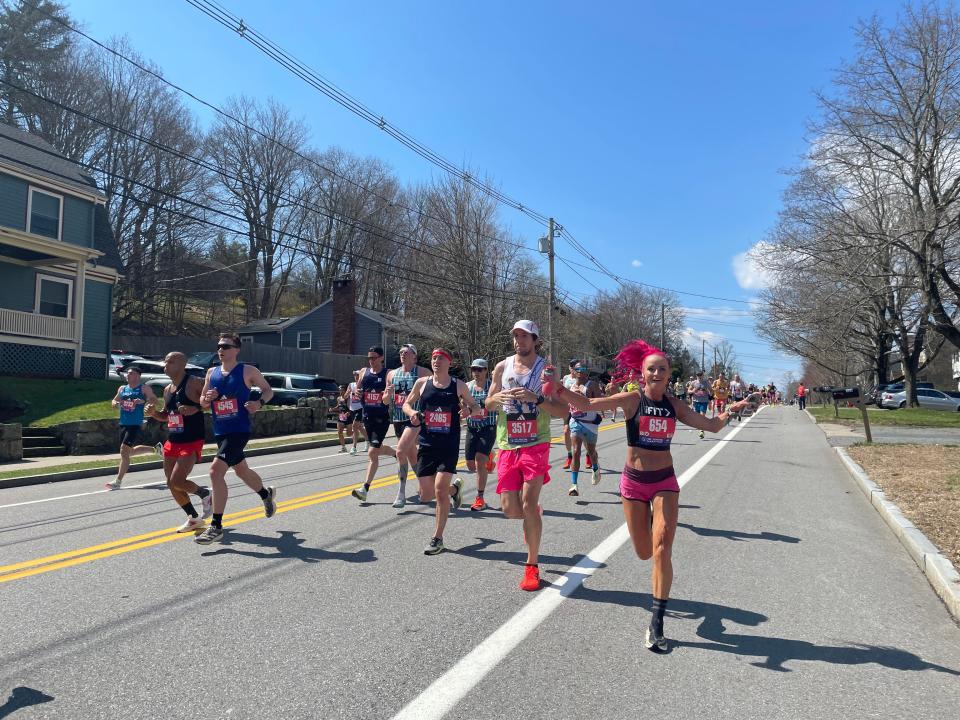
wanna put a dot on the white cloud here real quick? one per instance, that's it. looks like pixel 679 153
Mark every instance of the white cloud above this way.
pixel 717 313
pixel 748 273
pixel 636 263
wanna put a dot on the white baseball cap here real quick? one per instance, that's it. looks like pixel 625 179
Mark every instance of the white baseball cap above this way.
pixel 410 347
pixel 527 326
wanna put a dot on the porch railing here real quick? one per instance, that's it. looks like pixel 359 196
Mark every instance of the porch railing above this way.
pixel 35 325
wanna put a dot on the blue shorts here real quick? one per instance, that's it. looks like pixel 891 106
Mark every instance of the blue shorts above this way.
pixel 587 431
pixel 700 407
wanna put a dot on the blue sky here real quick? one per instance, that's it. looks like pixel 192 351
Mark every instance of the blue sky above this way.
pixel 658 133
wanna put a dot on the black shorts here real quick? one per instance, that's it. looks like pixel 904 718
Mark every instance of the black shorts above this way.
pixel 376 429
pixel 399 426
pixel 230 447
pixel 480 441
pixel 566 420
pixel 351 417
pixel 129 434
pixel 431 461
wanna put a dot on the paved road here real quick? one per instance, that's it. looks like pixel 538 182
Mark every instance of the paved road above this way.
pixel 791 600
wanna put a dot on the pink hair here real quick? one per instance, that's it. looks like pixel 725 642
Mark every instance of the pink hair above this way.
pixel 631 358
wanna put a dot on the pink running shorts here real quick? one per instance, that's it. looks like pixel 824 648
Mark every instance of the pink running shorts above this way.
pixel 642 485
pixel 515 467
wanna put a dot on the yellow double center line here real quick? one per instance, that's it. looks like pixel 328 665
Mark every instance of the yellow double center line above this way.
pixel 28 568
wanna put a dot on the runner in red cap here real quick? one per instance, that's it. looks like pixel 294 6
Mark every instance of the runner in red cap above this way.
pixel 433 406
pixel 523 437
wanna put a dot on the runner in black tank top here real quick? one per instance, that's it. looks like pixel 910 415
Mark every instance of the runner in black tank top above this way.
pixel 185 435
pixel 439 397
pixel 376 417
pixel 649 489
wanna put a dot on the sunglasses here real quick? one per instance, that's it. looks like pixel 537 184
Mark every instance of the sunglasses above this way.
pixel 226 347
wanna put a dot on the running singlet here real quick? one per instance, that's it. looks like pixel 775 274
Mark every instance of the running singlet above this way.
pixel 229 413
pixel 354 397
pixel 701 391
pixel 402 383
pixel 131 412
pixel 440 423
pixel 736 390
pixel 487 418
pixel 522 424
pixel 183 428
pixel 653 425
pixel 343 411
pixel 584 417
pixel 372 387
pixel 721 389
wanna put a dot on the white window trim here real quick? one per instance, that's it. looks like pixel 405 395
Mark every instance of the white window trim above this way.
pixel 30 211
pixel 309 334
pixel 54 278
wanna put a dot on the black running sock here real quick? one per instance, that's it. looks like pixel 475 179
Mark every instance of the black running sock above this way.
pixel 189 509
pixel 202 492
pixel 366 487
pixel 263 493
pixel 479 493
pixel 656 618
pixel 217 520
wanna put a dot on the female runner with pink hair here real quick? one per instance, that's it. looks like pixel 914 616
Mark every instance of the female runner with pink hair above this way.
pixel 648 487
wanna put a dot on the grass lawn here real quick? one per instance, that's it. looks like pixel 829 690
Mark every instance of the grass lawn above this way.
pixel 208 452
pixel 56 401
pixel 907 417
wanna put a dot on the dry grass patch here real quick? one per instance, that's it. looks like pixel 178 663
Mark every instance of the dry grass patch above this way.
pixel 924 482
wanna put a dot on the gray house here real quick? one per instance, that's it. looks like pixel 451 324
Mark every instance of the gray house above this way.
pixel 58 263
pixel 338 326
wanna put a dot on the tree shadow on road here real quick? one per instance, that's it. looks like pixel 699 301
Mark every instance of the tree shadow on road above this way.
pixel 287 545
pixel 23 697
pixel 773 653
pixel 737 535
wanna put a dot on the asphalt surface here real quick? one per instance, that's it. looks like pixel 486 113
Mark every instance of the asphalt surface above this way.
pixel 791 599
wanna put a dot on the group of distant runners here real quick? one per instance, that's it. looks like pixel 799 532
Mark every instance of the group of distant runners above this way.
pixel 506 418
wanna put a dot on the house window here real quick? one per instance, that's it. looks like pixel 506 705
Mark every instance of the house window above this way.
pixel 304 340
pixel 246 340
pixel 44 213
pixel 53 296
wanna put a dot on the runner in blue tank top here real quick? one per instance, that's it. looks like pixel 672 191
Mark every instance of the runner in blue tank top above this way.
pixel 233 391
pixel 130 399
pixel 481 431
pixel 399 384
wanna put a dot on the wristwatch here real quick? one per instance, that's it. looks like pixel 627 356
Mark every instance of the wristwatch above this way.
pixel 540 399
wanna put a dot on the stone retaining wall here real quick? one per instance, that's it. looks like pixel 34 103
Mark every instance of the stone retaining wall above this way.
pixel 90 437
pixel 11 442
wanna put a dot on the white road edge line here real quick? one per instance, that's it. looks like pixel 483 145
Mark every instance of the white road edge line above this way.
pixel 451 687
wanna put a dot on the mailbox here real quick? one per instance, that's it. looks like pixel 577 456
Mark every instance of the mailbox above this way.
pixel 844 393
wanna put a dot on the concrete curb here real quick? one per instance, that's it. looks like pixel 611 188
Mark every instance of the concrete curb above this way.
pixel 940 572
pixel 152 465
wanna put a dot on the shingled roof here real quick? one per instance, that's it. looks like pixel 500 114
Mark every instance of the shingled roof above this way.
pixel 39 158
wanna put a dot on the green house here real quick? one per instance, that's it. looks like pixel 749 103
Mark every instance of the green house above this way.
pixel 58 263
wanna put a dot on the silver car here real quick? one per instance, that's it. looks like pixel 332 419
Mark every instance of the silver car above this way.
pixel 927 397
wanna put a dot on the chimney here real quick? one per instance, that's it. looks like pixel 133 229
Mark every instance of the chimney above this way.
pixel 344 304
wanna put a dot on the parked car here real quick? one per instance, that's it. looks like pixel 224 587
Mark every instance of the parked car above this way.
pixel 877 392
pixel 290 387
pixel 927 397
pixel 118 361
pixel 152 374
pixel 205 360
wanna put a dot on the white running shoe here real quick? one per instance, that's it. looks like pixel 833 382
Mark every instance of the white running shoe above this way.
pixel 115 485
pixel 596 475
pixel 353 450
pixel 191 525
pixel 158 449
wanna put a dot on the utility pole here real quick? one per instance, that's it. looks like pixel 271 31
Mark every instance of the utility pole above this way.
pixel 703 352
pixel 663 327
pixel 546 247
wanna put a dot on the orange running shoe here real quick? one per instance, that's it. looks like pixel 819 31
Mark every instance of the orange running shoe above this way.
pixel 589 462
pixel 479 504
pixel 566 465
pixel 531 578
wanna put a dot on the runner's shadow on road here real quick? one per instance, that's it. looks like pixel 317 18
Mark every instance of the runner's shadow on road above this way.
pixel 772 652
pixel 737 535
pixel 571 515
pixel 479 551
pixel 287 545
pixel 23 697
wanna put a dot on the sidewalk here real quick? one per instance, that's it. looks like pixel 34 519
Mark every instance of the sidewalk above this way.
pixel 839 435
